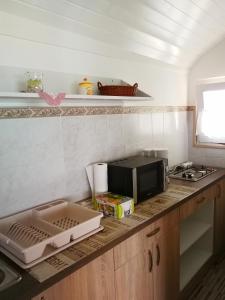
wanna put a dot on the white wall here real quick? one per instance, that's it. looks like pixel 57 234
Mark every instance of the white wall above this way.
pixel 209 68
pixel 43 159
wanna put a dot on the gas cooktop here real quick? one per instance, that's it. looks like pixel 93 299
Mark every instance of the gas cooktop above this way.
pixel 192 173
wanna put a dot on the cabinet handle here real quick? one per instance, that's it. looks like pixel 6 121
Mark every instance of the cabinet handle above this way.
pixel 150 262
pixel 153 232
pixel 158 255
pixel 201 200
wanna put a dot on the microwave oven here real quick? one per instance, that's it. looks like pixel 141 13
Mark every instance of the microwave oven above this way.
pixel 138 177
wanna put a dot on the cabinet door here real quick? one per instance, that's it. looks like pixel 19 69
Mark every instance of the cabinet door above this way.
pixel 132 282
pixel 128 249
pixel 219 240
pixel 164 240
pixel 95 281
pixel 133 272
pixel 166 253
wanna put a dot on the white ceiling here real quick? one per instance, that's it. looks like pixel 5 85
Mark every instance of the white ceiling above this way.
pixel 172 31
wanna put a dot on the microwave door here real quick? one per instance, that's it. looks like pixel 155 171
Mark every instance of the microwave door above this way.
pixel 149 182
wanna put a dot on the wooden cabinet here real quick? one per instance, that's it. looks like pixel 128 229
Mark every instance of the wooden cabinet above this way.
pixel 145 272
pixel 145 266
pixel 131 274
pixel 95 281
pixel 195 203
pixel 128 249
pixel 219 237
pixel 131 280
pixel 152 263
pixel 214 193
pixel 163 243
pixel 196 236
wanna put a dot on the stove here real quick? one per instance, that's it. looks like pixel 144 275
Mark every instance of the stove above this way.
pixel 191 173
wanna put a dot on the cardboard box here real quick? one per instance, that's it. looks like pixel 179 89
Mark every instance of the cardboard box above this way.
pixel 114 205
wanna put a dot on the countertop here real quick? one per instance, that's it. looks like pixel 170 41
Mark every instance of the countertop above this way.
pixel 68 261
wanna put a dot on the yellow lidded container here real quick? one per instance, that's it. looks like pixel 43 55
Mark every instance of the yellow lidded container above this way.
pixel 86 87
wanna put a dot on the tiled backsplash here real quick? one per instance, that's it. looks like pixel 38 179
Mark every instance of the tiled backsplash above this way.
pixel 42 159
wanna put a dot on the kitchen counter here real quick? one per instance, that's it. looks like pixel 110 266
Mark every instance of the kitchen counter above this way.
pixel 68 261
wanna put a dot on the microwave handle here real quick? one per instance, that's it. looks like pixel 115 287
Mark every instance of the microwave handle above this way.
pixel 164 172
pixel 134 179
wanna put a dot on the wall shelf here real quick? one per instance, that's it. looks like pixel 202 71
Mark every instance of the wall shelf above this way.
pixel 16 99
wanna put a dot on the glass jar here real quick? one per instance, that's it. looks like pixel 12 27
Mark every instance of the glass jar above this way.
pixel 34 82
pixel 86 87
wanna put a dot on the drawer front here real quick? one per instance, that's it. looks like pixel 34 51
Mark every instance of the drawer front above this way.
pixel 196 202
pixel 127 249
pixel 157 229
pixel 149 234
pixel 141 241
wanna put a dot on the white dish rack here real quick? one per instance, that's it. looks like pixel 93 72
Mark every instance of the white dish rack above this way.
pixel 26 235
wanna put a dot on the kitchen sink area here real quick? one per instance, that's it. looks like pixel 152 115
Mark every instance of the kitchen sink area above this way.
pixel 8 276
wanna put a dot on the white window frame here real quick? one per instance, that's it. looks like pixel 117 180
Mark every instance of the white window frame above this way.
pixel 199 108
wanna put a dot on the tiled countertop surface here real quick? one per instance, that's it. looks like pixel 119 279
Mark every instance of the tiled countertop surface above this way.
pixel 50 271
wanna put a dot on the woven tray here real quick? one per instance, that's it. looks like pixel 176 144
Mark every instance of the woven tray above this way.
pixel 117 90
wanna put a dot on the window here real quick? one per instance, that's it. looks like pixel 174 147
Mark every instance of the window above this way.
pixel 210 123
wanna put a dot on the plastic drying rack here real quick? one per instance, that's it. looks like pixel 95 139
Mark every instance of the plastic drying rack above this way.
pixel 26 235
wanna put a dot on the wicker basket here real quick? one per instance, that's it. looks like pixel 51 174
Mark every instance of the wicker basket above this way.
pixel 117 90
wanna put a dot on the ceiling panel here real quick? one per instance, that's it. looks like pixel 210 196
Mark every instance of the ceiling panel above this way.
pixel 172 31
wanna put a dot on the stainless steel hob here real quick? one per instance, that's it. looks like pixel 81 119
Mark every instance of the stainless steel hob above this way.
pixel 191 173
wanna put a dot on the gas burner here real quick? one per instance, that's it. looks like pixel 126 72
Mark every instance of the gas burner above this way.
pixel 187 175
pixel 193 173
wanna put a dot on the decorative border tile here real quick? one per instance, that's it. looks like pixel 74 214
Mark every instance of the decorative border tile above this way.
pixel 34 112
